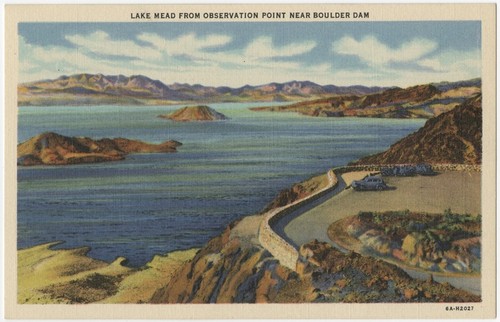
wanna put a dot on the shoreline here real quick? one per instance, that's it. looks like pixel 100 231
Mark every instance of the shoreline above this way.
pixel 125 261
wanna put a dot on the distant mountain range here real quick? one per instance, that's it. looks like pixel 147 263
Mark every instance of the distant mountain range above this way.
pixel 82 89
pixel 421 101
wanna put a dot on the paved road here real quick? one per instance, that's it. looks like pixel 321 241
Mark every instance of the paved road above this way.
pixel 460 191
pixel 282 223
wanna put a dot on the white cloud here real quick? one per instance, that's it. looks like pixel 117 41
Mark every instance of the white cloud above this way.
pixel 372 51
pixel 188 44
pixel 466 61
pixel 263 47
pixel 260 54
pixel 100 43
pixel 446 66
pixel 417 61
pixel 39 62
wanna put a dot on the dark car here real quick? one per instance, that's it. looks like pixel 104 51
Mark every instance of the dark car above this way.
pixel 369 183
pixel 424 169
pixel 398 171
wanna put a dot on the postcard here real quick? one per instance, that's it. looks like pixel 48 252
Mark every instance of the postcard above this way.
pixel 250 161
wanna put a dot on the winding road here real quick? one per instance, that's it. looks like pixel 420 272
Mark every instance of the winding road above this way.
pixel 460 191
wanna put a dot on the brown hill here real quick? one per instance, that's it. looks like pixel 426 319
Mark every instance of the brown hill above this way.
pixel 54 149
pixel 452 137
pixel 194 113
pixel 422 101
pixel 398 95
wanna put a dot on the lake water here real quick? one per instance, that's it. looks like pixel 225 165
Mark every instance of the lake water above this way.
pixel 155 203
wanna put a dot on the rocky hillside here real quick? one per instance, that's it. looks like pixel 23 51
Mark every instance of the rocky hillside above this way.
pixel 98 89
pixel 231 268
pixel 422 101
pixel 194 113
pixel 448 242
pixel 54 149
pixel 230 271
pixel 452 137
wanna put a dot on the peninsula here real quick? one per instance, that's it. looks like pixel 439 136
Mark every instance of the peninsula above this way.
pixel 420 101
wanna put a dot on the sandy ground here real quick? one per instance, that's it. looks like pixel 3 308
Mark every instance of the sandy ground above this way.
pixel 51 276
pixel 460 191
pixel 141 285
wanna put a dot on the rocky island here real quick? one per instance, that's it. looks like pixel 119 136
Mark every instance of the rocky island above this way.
pixel 194 113
pixel 54 149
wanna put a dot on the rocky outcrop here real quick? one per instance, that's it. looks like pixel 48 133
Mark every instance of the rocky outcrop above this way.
pixel 449 243
pixel 339 277
pixel 454 137
pixel 194 113
pixel 229 269
pixel 54 149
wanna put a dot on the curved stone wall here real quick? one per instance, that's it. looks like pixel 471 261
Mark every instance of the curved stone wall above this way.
pixel 277 246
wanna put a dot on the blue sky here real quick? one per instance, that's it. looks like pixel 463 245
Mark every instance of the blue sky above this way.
pixel 235 54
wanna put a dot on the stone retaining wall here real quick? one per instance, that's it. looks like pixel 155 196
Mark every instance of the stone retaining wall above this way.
pixel 277 246
pixel 435 167
pixel 285 252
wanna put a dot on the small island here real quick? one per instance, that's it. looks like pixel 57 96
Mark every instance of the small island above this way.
pixel 194 113
pixel 54 149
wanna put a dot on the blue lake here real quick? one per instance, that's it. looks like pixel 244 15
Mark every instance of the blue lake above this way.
pixel 155 203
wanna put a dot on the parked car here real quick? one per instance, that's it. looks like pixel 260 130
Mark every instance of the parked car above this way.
pixel 369 183
pixel 407 170
pixel 398 171
pixel 424 169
